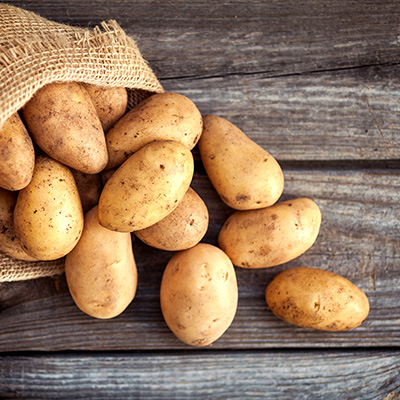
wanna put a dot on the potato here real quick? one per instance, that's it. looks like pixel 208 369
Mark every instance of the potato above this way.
pixel 48 217
pixel 317 299
pixel 245 176
pixel 270 236
pixel 101 270
pixel 63 122
pixel 162 116
pixel 9 244
pixel 110 103
pixel 89 188
pixel 147 187
pixel 181 229
pixel 199 294
pixel 17 154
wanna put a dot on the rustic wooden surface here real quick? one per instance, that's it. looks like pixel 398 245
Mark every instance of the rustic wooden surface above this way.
pixel 317 84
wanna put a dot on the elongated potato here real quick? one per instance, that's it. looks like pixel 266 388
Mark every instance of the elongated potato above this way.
pixel 48 216
pixel 63 122
pixel 9 243
pixel 17 154
pixel 101 270
pixel 147 187
pixel 245 175
pixel 110 103
pixel 317 299
pixel 270 236
pixel 199 294
pixel 162 116
pixel 181 229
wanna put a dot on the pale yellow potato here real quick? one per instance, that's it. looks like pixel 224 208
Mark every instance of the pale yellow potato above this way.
pixel 48 216
pixel 245 175
pixel 199 294
pixel 9 243
pixel 317 299
pixel 162 116
pixel 89 188
pixel 110 103
pixel 270 236
pixel 101 270
pixel 62 120
pixel 17 154
pixel 181 229
pixel 147 187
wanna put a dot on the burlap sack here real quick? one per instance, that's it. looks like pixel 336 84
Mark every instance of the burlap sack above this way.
pixel 35 51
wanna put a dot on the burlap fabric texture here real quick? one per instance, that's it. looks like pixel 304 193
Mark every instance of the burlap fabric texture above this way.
pixel 34 52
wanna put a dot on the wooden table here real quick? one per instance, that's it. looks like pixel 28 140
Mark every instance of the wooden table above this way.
pixel 317 84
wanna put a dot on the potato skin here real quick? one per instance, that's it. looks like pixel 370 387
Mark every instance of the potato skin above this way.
pixel 317 299
pixel 199 294
pixel 110 103
pixel 9 243
pixel 48 216
pixel 63 122
pixel 101 270
pixel 162 116
pixel 245 175
pixel 270 236
pixel 181 229
pixel 17 154
pixel 147 187
pixel 89 188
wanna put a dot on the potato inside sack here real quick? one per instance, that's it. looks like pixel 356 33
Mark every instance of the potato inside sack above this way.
pixel 245 175
pixel 162 116
pixel 64 123
pixel 317 299
pixel 147 187
pixel 181 229
pixel 199 294
pixel 101 270
pixel 270 236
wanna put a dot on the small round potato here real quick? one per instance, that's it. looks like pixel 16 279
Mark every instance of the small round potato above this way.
pixel 245 175
pixel 181 229
pixel 101 270
pixel 270 236
pixel 199 294
pixel 147 187
pixel 48 216
pixel 317 299
pixel 162 116
pixel 17 154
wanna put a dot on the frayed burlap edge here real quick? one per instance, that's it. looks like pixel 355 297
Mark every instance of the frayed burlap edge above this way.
pixel 35 52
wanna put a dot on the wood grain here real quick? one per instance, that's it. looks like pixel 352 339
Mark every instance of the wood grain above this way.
pixel 238 375
pixel 359 239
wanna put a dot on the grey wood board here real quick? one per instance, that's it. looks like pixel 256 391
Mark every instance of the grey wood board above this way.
pixel 231 375
pixel 359 239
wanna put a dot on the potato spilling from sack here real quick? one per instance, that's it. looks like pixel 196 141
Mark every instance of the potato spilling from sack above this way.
pixel 317 299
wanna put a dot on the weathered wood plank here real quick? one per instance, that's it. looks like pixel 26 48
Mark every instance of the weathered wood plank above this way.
pixel 233 375
pixel 359 239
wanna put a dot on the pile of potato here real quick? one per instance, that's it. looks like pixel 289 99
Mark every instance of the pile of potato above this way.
pixel 88 175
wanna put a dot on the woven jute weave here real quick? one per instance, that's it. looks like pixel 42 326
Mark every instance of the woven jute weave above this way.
pixel 35 51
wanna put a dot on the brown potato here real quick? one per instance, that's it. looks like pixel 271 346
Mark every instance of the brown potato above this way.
pixel 317 299
pixel 48 217
pixel 110 103
pixel 9 243
pixel 162 116
pixel 63 122
pixel 147 187
pixel 199 294
pixel 270 236
pixel 101 270
pixel 181 229
pixel 245 176
pixel 17 155
pixel 89 188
